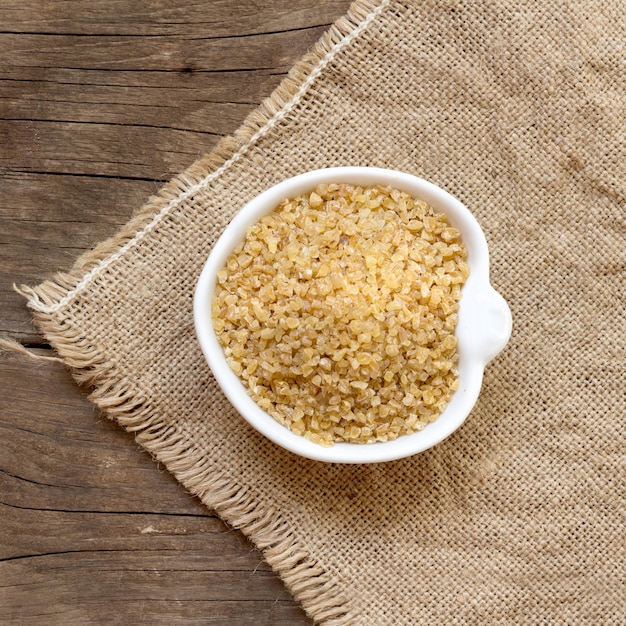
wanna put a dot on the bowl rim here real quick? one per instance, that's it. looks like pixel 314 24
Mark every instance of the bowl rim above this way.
pixel 475 348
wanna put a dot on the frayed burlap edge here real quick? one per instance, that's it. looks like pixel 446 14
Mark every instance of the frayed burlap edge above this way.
pixel 320 596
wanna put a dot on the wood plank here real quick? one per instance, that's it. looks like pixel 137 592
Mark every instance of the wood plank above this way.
pixel 116 104
pixel 178 53
pixel 95 149
pixel 150 18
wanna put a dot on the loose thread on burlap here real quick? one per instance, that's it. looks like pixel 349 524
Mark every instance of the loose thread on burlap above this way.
pixel 37 304
pixel 10 345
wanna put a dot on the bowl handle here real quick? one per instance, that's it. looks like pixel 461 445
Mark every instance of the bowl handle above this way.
pixel 492 325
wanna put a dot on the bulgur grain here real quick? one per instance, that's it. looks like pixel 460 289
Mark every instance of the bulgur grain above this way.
pixel 338 312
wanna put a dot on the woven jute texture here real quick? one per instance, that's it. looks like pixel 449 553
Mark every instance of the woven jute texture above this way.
pixel 518 109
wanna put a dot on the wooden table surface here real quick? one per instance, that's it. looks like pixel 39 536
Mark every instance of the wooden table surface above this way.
pixel 100 104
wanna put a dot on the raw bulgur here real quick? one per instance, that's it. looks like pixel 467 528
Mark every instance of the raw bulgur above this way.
pixel 338 313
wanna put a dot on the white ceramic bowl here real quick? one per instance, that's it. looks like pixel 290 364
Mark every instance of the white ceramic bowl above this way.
pixel 484 325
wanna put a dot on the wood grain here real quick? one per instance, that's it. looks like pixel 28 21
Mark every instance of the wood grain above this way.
pixel 100 103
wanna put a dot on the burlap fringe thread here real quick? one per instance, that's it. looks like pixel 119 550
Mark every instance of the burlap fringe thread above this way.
pixel 10 345
pixel 322 598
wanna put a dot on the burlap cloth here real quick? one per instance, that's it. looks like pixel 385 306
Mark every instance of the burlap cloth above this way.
pixel 517 108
